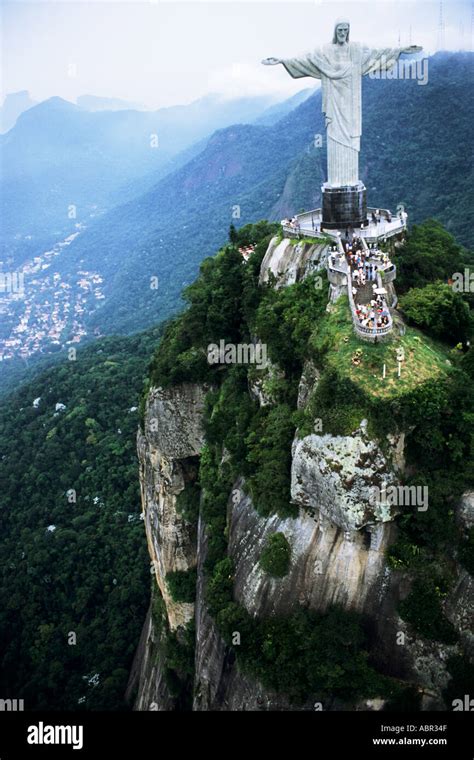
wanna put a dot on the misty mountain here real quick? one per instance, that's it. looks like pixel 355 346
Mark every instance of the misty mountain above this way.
pixel 244 173
pixel 14 105
pixel 62 164
pixel 269 172
pixel 276 112
pixel 97 103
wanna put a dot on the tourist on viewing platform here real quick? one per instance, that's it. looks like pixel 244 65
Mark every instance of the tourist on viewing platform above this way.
pixel 374 218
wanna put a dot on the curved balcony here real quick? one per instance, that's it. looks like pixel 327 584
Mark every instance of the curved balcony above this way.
pixel 372 334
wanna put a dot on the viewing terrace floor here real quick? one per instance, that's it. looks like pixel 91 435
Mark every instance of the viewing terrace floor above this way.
pixel 309 224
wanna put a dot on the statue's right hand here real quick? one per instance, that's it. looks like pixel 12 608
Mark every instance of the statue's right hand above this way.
pixel 270 61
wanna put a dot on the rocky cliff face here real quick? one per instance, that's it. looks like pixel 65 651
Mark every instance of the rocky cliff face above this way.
pixel 289 261
pixel 329 565
pixel 172 436
pixel 338 541
pixel 338 555
pixel 147 682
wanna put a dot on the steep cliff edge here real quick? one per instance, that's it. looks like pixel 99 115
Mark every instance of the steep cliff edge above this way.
pixel 172 436
pixel 168 443
pixel 303 448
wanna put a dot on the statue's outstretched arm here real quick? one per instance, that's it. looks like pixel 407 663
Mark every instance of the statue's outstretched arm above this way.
pixel 302 66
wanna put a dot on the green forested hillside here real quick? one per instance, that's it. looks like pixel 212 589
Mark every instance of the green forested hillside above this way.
pixel 59 153
pixel 73 560
pixel 415 144
pixel 432 404
pixel 72 551
pixel 409 155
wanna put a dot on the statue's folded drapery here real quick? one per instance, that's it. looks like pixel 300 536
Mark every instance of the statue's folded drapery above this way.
pixel 340 69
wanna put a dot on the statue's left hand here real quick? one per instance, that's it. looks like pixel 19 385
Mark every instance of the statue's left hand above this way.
pixel 270 61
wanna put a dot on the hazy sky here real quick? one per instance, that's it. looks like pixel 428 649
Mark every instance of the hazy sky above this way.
pixel 161 53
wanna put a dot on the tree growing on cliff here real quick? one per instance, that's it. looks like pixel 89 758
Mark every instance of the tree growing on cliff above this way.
pixel 182 585
pixel 276 556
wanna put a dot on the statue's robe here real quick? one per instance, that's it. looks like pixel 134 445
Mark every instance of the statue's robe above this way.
pixel 340 69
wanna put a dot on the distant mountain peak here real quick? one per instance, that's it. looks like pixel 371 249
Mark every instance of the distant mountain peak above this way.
pixel 53 105
pixel 16 95
pixel 14 104
pixel 57 101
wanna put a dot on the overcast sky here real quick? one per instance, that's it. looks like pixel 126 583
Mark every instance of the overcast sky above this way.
pixel 161 53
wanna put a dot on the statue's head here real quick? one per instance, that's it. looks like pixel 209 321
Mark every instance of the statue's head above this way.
pixel 341 31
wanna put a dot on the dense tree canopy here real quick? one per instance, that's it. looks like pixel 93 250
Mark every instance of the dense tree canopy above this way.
pixel 439 310
pixel 73 560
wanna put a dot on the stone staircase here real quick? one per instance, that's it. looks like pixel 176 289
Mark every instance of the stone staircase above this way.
pixel 364 293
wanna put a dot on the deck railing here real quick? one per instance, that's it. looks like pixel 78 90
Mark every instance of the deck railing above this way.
pixel 366 333
pixel 388 225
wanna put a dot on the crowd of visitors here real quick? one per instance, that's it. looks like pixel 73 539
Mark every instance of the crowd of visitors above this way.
pixel 374 314
pixel 364 265
pixel 293 223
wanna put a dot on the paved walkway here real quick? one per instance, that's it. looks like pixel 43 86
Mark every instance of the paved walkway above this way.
pixel 364 293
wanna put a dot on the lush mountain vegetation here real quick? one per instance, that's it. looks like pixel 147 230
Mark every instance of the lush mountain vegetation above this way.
pixel 73 579
pixel 73 558
pixel 74 567
pixel 226 303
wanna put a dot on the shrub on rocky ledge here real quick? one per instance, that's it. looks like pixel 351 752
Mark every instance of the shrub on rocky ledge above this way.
pixel 276 556
pixel 182 585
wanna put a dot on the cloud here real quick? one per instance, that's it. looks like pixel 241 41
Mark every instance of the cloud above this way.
pixel 252 79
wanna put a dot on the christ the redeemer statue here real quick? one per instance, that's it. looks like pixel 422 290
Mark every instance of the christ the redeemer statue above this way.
pixel 340 66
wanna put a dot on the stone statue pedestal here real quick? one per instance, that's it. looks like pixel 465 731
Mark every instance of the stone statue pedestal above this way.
pixel 344 206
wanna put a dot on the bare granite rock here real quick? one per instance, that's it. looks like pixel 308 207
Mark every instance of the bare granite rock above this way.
pixel 173 434
pixel 290 261
pixel 337 475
